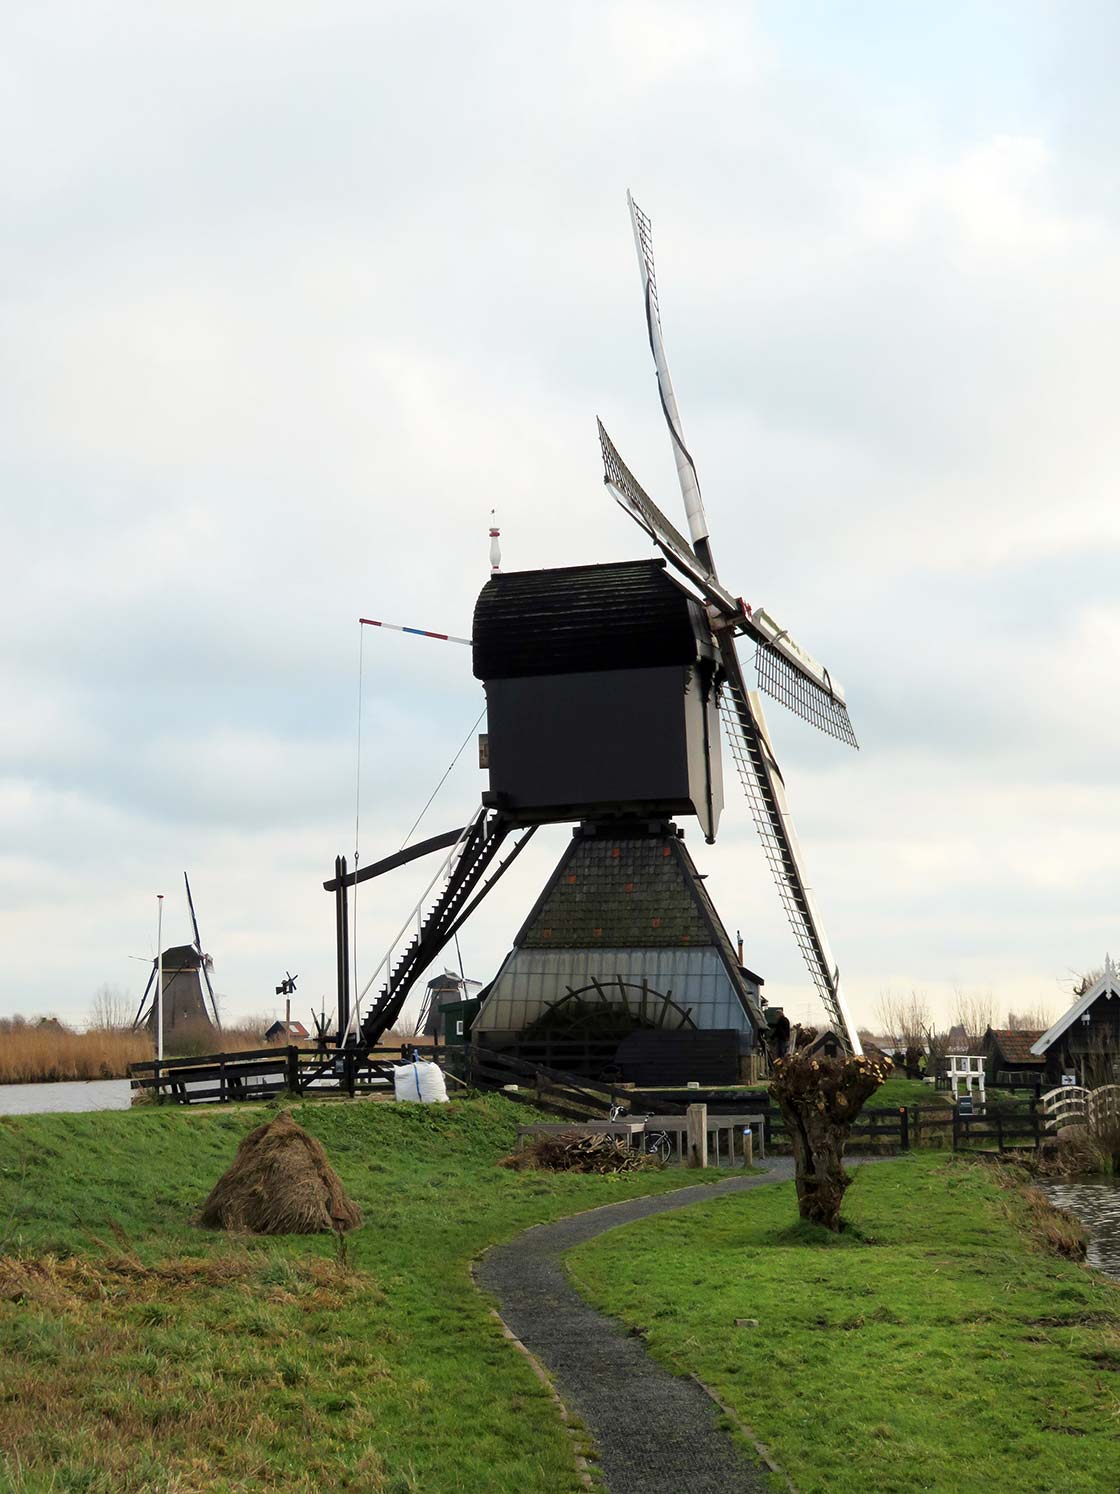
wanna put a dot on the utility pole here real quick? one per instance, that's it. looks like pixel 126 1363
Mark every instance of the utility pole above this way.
pixel 159 989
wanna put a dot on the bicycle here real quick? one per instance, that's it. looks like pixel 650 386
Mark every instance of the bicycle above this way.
pixel 659 1144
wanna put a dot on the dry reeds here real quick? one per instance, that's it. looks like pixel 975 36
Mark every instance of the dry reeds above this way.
pixel 32 1053
pixel 39 1052
pixel 577 1152
pixel 280 1184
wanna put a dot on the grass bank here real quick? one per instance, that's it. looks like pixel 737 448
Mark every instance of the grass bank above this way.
pixel 138 1352
pixel 937 1346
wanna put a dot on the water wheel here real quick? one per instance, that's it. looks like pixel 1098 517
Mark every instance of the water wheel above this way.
pixel 605 1011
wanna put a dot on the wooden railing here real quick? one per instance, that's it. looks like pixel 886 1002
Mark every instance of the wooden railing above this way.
pixel 261 1073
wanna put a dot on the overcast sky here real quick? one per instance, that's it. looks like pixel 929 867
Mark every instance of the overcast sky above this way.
pixel 293 294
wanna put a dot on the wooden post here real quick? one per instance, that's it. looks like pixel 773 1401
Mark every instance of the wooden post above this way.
pixel 292 1067
pixel 748 1147
pixel 697 1118
pixel 904 1138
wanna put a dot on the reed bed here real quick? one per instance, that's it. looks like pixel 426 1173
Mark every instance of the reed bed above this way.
pixel 29 1054
pixel 33 1053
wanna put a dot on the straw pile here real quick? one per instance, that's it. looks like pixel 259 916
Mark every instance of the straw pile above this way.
pixel 577 1152
pixel 280 1184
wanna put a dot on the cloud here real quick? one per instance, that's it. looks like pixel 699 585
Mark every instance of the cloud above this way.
pixel 292 299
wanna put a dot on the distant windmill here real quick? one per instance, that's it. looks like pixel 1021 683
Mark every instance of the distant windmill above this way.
pixel 186 984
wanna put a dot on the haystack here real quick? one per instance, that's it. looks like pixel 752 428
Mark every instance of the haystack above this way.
pixel 280 1184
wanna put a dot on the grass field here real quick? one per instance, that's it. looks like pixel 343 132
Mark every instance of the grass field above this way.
pixel 907 1092
pixel 937 1346
pixel 138 1352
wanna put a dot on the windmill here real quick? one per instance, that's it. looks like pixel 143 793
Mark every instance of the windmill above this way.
pixel 605 687
pixel 186 971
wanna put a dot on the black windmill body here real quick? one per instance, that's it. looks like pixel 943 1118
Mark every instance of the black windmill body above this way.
pixel 599 695
pixel 606 687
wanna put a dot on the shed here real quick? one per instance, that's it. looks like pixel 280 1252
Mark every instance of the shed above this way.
pixel 1008 1060
pixel 290 1032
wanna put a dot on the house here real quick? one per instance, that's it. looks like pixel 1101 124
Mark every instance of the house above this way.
pixel 1085 1040
pixel 286 1032
pixel 1008 1060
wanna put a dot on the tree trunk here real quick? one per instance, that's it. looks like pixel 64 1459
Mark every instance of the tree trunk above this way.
pixel 819 1099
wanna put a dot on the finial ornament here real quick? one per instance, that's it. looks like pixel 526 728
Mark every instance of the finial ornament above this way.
pixel 495 547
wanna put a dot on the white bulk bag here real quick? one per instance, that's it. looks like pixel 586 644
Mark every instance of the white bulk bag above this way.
pixel 423 1082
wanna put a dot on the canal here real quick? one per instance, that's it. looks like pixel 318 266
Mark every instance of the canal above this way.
pixel 38 1099
pixel 1096 1202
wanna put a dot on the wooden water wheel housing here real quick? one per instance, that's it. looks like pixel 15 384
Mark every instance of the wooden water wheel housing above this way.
pixel 601 1012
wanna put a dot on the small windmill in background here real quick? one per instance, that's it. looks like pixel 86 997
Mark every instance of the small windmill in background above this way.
pixel 188 992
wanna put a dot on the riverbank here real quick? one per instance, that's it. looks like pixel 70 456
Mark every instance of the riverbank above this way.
pixel 938 1344
pixel 137 1351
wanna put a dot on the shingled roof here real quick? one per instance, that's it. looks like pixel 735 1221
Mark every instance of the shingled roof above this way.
pixel 1015 1047
pixel 626 892
pixel 618 892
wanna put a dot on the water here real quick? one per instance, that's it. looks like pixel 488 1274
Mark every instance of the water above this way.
pixel 1096 1202
pixel 35 1099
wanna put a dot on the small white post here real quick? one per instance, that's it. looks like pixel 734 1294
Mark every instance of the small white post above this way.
pixel 159 990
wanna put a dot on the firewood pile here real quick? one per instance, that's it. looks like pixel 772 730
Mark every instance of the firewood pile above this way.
pixel 577 1152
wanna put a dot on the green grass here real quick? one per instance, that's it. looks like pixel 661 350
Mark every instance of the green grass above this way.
pixel 935 1346
pixel 907 1092
pixel 138 1352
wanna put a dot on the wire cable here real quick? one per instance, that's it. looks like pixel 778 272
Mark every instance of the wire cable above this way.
pixel 443 780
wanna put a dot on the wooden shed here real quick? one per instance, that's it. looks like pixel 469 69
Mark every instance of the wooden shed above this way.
pixel 1008 1060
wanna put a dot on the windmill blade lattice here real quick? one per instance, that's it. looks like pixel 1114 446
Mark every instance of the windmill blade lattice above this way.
pixel 635 501
pixel 800 693
pixel 764 787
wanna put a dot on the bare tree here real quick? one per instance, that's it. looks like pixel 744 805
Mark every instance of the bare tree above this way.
pixel 110 1010
pixel 906 1021
pixel 975 1012
pixel 1030 1019
pixel 819 1098
pixel 1081 983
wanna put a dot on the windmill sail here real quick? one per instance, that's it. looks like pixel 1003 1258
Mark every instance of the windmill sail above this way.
pixel 203 957
pixel 686 467
pixel 792 677
pixel 632 497
pixel 785 670
pixel 765 790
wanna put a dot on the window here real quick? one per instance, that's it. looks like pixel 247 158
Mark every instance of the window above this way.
pixel 459 1027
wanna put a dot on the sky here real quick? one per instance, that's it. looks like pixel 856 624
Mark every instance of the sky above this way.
pixel 293 295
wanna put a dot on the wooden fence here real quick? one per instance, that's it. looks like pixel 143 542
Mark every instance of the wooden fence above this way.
pixel 261 1073
pixel 998 1129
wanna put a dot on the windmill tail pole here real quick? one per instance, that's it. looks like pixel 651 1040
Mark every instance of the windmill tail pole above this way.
pixel 369 622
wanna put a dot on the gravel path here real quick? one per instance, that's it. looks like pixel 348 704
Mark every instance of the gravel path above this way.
pixel 657 1432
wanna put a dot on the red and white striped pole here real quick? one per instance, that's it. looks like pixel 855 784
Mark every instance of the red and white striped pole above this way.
pixel 369 622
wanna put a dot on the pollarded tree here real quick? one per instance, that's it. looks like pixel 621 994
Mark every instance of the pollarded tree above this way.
pixel 819 1098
